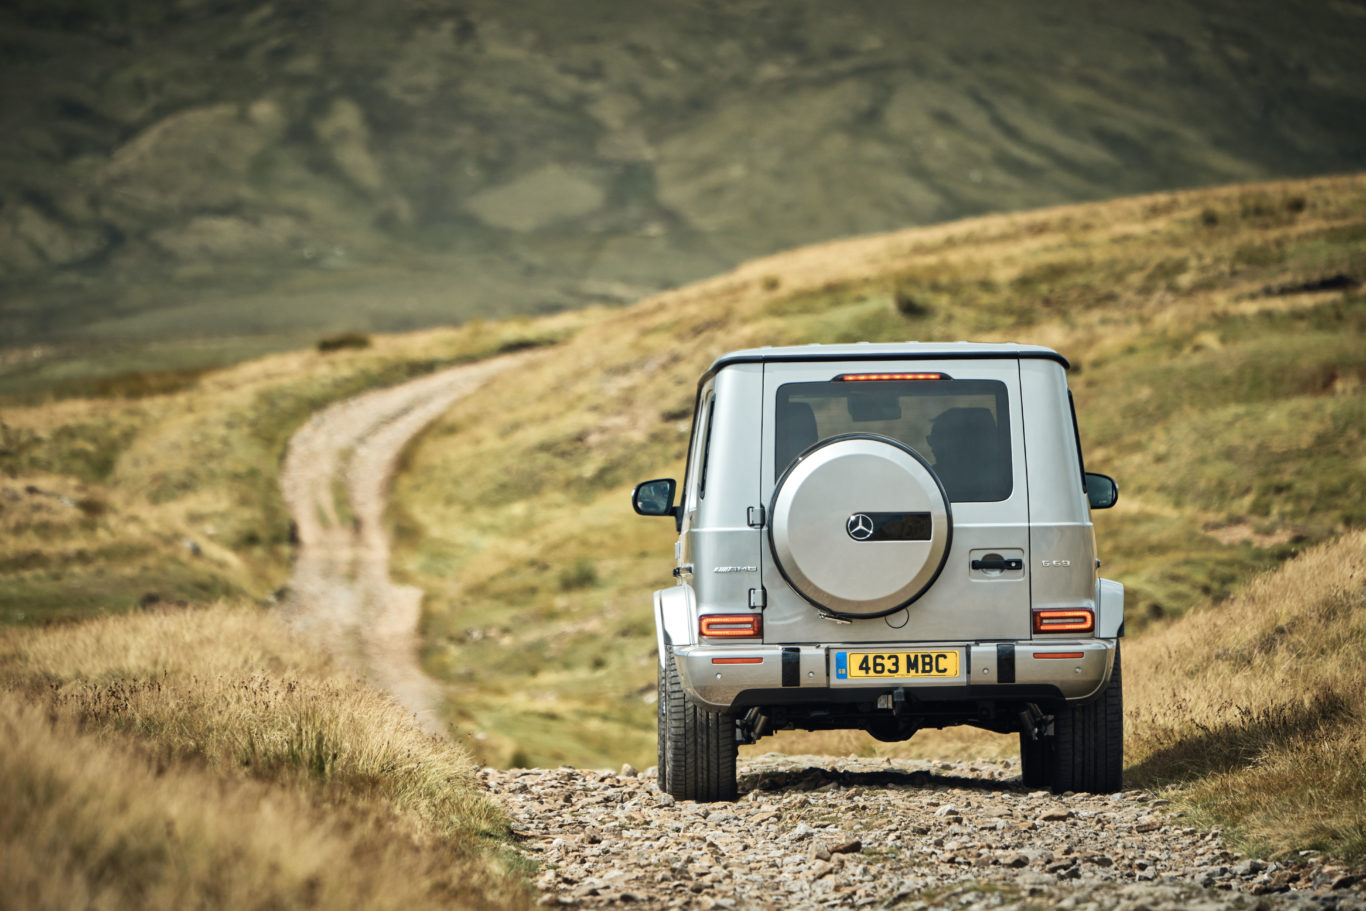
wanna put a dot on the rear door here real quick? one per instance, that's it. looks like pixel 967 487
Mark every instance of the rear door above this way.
pixel 965 424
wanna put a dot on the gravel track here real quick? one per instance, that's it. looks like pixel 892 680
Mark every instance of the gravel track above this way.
pixel 340 593
pixel 810 831
pixel 815 831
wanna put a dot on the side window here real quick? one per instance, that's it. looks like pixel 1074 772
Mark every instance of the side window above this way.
pixel 701 433
pixel 1076 436
pixel 706 450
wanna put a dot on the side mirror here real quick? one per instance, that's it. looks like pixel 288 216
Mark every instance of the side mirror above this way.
pixel 1101 491
pixel 655 498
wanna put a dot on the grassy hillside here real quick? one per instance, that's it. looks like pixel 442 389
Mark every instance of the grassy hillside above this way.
pixel 1217 339
pixel 262 170
pixel 160 488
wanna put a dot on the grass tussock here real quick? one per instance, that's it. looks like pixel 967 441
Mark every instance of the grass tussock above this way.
pixel 343 340
pixel 206 759
pixel 1233 418
pixel 1257 707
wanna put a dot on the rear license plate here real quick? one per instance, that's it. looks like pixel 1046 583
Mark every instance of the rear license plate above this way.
pixel 900 665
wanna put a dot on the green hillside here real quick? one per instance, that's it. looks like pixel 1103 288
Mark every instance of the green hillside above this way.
pixel 1218 347
pixel 255 173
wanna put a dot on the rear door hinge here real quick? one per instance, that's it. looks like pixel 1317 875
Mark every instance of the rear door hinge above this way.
pixel 758 598
pixel 756 517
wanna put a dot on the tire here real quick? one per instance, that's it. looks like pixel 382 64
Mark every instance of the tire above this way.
pixel 1089 742
pixel 661 725
pixel 697 748
pixel 1036 760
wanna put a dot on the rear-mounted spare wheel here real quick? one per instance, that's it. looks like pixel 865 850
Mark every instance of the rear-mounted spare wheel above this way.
pixel 860 526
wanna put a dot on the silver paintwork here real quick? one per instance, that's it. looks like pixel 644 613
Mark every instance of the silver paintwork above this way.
pixel 675 617
pixel 717 686
pixel 848 575
pixel 1044 521
pixel 1059 517
pixel 1110 609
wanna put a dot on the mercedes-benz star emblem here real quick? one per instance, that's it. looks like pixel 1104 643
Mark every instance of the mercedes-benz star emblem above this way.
pixel 859 526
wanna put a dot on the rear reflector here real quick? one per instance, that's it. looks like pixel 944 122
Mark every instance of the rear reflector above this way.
pixel 737 661
pixel 1064 621
pixel 730 626
pixel 865 377
pixel 1058 655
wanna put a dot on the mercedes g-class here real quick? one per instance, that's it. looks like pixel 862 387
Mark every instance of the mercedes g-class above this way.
pixel 887 538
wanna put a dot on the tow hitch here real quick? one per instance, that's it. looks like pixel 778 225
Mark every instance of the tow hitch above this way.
pixel 1035 723
pixel 752 725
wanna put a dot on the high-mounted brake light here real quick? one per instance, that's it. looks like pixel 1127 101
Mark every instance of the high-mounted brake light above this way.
pixel 1064 621
pixel 730 626
pixel 865 377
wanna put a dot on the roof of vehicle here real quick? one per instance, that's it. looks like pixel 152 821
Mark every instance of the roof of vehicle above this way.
pixel 868 351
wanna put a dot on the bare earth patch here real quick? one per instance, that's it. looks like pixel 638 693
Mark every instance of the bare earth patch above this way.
pixel 1242 531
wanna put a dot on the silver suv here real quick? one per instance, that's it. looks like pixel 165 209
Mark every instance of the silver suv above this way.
pixel 887 538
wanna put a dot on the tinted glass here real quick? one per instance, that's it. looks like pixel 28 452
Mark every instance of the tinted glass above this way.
pixel 706 449
pixel 961 427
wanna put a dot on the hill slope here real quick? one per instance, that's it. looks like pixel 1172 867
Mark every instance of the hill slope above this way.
pixel 1217 339
pixel 239 168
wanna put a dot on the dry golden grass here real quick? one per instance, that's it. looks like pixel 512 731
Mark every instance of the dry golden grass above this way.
pixel 1257 706
pixel 205 758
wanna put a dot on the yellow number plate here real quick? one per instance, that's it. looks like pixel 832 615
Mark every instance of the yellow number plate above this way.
pixel 901 665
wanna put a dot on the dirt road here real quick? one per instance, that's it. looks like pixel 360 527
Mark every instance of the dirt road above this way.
pixel 811 831
pixel 820 831
pixel 335 481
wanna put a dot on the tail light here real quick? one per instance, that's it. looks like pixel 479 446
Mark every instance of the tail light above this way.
pixel 1072 620
pixel 731 626
pixel 877 377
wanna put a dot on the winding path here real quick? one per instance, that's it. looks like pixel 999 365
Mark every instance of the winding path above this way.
pixel 340 593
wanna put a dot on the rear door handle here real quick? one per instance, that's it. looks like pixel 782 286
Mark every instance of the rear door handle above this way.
pixel 1010 565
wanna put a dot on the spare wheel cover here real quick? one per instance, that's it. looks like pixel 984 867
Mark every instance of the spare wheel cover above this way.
pixel 860 526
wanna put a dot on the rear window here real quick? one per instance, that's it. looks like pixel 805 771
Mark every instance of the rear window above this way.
pixel 961 427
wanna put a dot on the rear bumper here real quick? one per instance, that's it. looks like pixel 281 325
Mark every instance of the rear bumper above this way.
pixel 1017 671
